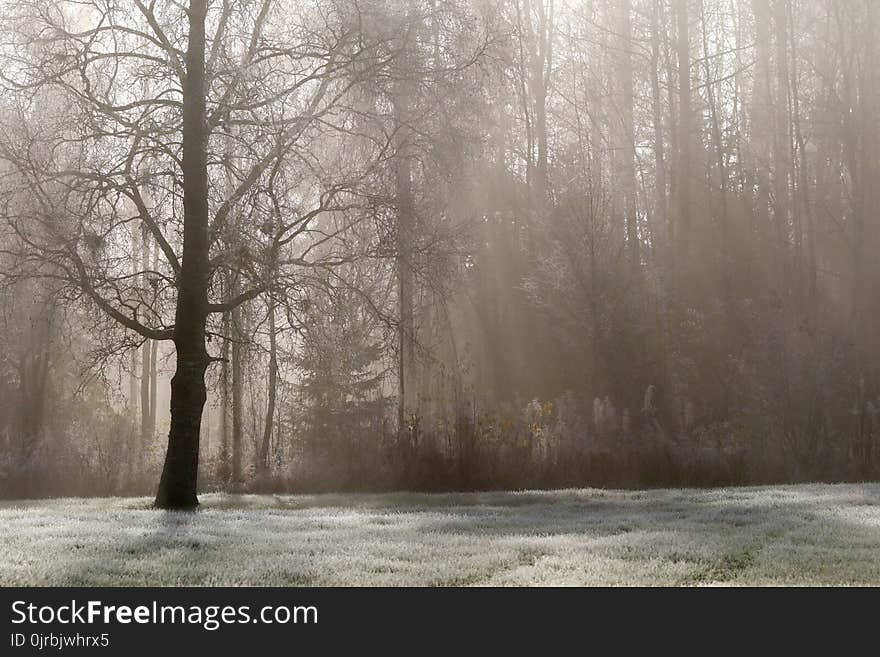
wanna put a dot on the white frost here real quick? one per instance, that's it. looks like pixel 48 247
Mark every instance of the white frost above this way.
pixel 791 535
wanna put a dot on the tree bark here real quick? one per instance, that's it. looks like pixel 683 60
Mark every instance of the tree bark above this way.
pixel 179 483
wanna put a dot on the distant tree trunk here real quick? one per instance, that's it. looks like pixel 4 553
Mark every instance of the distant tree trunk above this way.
pixel 133 357
pixel 536 64
pixel 812 301
pixel 273 382
pixel 135 451
pixel 224 470
pixel 237 381
pixel 236 328
pixel 542 63
pixel 661 230
pixel 627 147
pixel 179 483
pixel 154 375
pixel 762 126
pixel 782 147
pixel 724 267
pixel 33 373
pixel 151 347
pixel 146 353
pixel 405 221
pixel 236 334
pixel 685 128
pixel 860 150
pixel 672 171
pixel 154 368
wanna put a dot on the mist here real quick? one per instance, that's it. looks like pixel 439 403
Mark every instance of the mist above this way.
pixel 437 245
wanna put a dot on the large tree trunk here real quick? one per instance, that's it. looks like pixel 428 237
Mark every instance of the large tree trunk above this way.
pixel 179 482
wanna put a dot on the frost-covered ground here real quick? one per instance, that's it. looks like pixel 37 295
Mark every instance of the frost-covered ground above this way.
pixel 817 534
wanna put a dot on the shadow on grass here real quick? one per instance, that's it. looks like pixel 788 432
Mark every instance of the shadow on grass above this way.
pixel 167 538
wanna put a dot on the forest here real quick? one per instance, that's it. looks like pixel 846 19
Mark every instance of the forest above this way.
pixel 437 245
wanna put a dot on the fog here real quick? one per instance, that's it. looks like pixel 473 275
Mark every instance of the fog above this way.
pixel 335 245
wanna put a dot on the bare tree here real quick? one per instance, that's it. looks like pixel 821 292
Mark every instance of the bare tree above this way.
pixel 282 95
